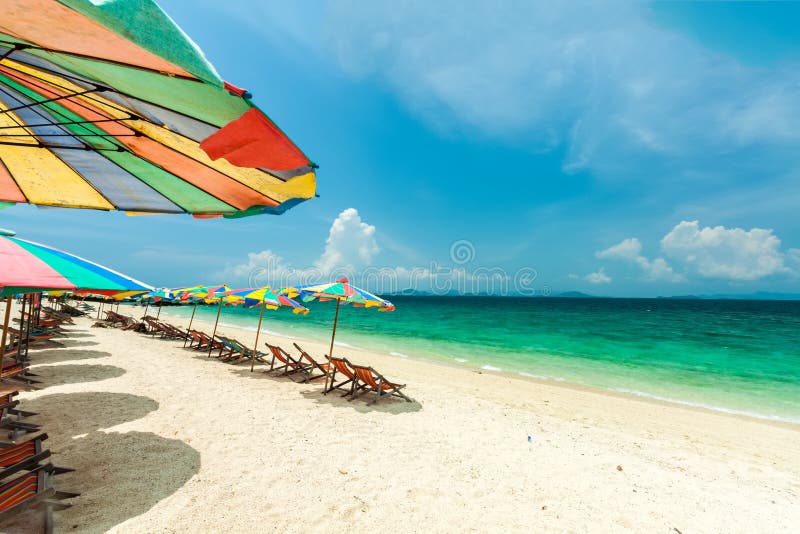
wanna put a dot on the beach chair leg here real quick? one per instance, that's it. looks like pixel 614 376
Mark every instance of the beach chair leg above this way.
pixel 379 392
pixel 48 518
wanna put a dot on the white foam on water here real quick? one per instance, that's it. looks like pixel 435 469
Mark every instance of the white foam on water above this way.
pixel 541 377
pixel 708 406
pixel 461 360
pixel 343 344
pixel 488 367
pixel 400 354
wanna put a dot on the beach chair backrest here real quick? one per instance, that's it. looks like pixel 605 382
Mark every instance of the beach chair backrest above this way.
pixel 19 490
pixel 341 366
pixel 17 453
pixel 277 352
pixel 365 375
pixel 304 354
pixel 32 485
pixel 7 399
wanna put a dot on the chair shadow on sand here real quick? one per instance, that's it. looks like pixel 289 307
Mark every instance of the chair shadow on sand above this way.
pixel 119 475
pixel 313 391
pixel 56 375
pixel 362 403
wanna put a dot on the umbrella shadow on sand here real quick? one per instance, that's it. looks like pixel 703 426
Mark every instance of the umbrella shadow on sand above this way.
pixel 57 375
pixel 74 343
pixel 65 355
pixel 119 475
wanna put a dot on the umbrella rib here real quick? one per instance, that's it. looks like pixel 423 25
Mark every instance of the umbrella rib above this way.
pixel 86 94
pixel 33 108
pixel 62 123
pixel 49 100
pixel 11 174
pixel 79 80
pixel 40 113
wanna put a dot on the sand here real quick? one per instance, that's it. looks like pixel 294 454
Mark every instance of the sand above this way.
pixel 167 440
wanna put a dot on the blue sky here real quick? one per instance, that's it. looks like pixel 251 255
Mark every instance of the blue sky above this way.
pixel 625 150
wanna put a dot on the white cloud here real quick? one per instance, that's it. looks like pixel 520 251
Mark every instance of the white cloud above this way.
pixel 631 250
pixel 350 246
pixel 600 277
pixel 602 80
pixel 257 264
pixel 727 253
pixel 794 255
pixel 351 243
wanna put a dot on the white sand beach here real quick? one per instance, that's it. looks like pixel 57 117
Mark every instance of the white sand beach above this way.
pixel 165 439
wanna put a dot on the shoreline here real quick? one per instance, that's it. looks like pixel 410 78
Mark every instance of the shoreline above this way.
pixel 640 396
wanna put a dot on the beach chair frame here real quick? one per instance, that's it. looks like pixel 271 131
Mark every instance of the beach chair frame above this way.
pixel 372 380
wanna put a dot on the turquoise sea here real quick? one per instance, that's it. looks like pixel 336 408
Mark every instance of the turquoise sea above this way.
pixel 737 356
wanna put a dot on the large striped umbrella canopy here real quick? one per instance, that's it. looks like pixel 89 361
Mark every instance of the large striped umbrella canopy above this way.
pixel 110 106
pixel 29 266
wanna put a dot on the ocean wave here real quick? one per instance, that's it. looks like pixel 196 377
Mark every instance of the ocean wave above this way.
pixel 461 360
pixel 400 354
pixel 712 407
pixel 541 377
pixel 488 367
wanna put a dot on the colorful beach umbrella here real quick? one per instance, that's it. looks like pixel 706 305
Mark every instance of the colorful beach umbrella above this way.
pixel 342 292
pixel 109 105
pixel 267 299
pixel 34 267
pixel 29 267
pixel 207 294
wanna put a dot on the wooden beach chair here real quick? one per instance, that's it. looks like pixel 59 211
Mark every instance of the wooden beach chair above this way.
pixel 33 489
pixel 344 368
pixel 289 364
pixel 12 417
pixel 244 353
pixel 17 371
pixel 309 375
pixel 171 331
pixel 23 456
pixel 371 380
pixel 203 341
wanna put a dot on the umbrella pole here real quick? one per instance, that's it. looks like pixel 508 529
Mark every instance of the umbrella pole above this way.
pixel 192 319
pixel 189 328
pixel 22 321
pixel 159 312
pixel 258 331
pixel 5 331
pixel 38 298
pixel 27 328
pixel 211 343
pixel 146 305
pixel 333 336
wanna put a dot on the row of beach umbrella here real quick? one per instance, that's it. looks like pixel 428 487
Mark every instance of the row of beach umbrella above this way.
pixel 34 268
